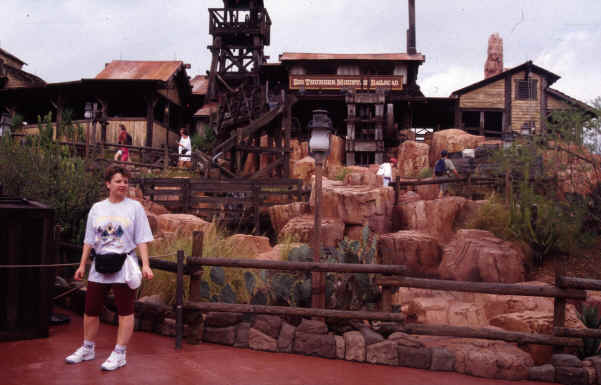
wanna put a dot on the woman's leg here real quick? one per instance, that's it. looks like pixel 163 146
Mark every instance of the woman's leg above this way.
pixel 126 329
pixel 94 303
pixel 124 299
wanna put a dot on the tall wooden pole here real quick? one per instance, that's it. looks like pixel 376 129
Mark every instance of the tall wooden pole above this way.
pixel 317 278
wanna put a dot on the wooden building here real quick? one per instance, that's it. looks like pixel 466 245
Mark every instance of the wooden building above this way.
pixel 12 74
pixel 519 99
pixel 151 98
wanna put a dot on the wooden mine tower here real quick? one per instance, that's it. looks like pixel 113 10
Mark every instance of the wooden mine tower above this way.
pixel 241 30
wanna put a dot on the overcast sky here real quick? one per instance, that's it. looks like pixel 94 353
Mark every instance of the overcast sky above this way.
pixel 64 40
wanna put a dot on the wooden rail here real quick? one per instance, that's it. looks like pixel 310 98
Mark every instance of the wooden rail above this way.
pixel 231 198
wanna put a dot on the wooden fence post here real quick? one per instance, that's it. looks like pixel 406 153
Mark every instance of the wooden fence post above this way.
pixel 397 190
pixel 195 279
pixel 179 301
pixel 559 304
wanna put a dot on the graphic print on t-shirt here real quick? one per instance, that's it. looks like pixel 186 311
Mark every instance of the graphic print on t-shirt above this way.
pixel 109 230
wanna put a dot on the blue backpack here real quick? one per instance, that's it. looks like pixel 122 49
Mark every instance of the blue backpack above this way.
pixel 440 168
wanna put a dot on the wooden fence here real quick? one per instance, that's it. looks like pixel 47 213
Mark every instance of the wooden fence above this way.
pixel 229 200
pixel 388 277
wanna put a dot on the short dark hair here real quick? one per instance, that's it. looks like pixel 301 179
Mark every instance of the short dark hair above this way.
pixel 122 127
pixel 115 169
pixel 185 131
pixel 444 153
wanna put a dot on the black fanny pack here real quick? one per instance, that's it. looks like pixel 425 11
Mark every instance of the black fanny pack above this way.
pixel 108 263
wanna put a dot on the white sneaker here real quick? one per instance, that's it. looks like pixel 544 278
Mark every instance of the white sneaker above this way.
pixel 115 361
pixel 81 354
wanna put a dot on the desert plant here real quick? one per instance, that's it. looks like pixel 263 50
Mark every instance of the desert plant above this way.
pixel 590 317
pixel 342 174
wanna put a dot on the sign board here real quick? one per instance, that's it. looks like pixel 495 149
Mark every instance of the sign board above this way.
pixel 338 82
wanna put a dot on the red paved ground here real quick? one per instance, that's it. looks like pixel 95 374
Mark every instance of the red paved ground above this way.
pixel 152 359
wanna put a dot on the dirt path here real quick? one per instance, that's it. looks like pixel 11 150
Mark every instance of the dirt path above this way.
pixel 152 359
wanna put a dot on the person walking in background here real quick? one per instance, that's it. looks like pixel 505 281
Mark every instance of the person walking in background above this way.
pixel 126 139
pixel 184 149
pixel 385 170
pixel 115 227
pixel 443 167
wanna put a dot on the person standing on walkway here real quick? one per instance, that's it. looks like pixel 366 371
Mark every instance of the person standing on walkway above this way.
pixel 443 167
pixel 115 227
pixel 385 170
pixel 126 139
pixel 184 149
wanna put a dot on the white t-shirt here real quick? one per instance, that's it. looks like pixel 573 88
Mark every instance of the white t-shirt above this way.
pixel 185 142
pixel 385 170
pixel 116 228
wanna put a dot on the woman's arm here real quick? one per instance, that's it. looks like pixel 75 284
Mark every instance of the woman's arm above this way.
pixel 146 271
pixel 85 254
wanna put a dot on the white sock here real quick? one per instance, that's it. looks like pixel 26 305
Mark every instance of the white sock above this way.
pixel 90 345
pixel 121 349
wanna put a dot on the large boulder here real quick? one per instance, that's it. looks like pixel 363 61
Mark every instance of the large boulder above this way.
pixel 452 140
pixel 181 224
pixel 436 217
pixel 301 229
pixel 298 150
pixel 251 244
pixel 303 168
pixel 477 255
pixel 412 158
pixel 357 205
pixel 419 251
pixel 281 214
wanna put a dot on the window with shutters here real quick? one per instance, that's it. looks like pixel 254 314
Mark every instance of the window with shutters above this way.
pixel 526 89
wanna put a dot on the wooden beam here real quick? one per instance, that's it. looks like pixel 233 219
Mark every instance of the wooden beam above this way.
pixel 580 283
pixel 297 311
pixel 489 334
pixel 507 112
pixel 483 287
pixel 296 266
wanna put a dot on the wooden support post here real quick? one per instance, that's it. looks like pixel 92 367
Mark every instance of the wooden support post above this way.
pixel 287 128
pixel 482 123
pixel 151 101
pixel 397 190
pixel 317 279
pixel 195 278
pixel 559 304
pixel 59 117
pixel 186 195
pixel 256 204
pixel 179 300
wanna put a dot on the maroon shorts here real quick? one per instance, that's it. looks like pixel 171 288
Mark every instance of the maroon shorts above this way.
pixel 124 298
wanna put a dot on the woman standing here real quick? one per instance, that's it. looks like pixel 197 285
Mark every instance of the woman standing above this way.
pixel 184 149
pixel 115 227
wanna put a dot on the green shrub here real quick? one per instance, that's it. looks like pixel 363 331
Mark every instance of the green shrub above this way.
pixel 45 173
pixel 424 173
pixel 342 174
pixel 204 142
pixel 492 216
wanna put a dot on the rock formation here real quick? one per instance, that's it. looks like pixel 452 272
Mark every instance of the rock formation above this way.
pixel 494 57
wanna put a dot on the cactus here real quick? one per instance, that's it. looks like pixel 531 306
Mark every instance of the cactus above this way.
pixel 218 275
pixel 227 295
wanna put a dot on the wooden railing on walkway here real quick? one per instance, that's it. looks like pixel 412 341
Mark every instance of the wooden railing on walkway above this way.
pixel 232 199
pixel 389 277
